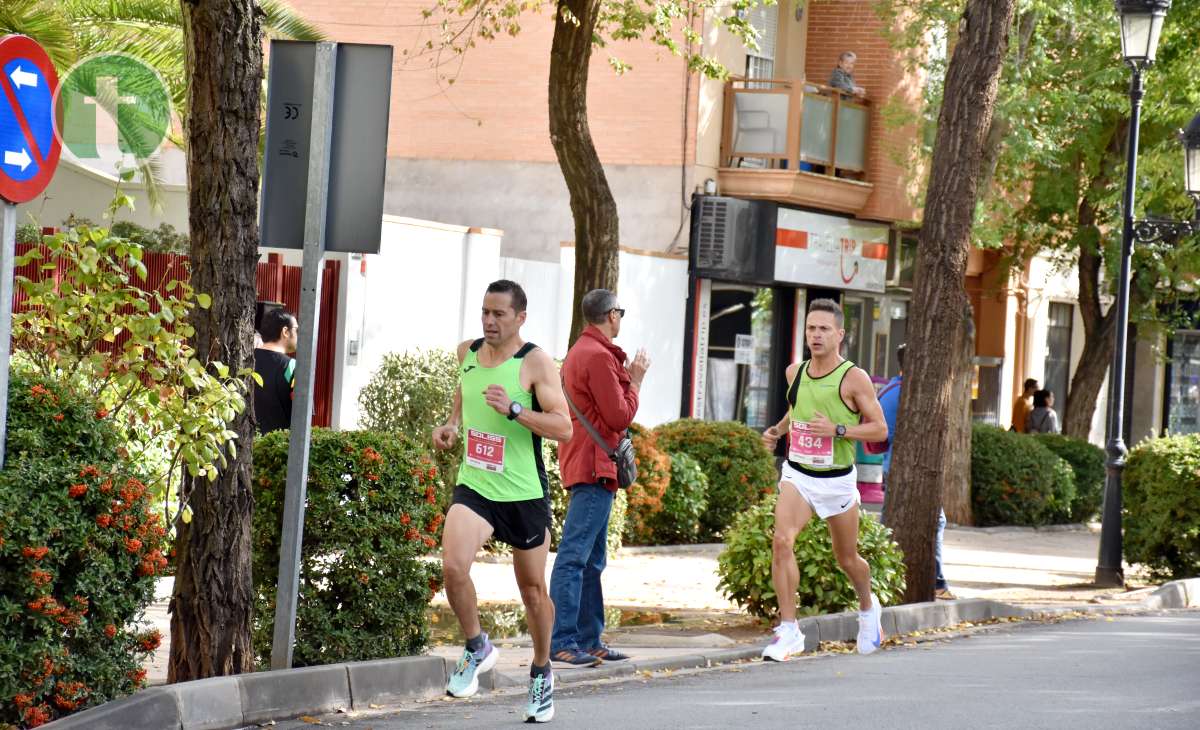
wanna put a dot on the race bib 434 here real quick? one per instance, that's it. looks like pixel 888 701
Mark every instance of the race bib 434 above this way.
pixel 806 447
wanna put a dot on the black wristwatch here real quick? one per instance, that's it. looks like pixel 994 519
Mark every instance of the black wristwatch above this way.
pixel 514 410
pixel 840 430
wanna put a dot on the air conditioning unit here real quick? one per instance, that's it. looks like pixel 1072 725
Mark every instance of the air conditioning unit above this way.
pixel 733 239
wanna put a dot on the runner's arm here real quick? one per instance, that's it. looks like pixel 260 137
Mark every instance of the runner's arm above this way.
pixel 774 433
pixel 445 436
pixel 872 426
pixel 553 421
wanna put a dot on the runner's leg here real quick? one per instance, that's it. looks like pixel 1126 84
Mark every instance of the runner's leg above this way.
pixel 530 569
pixel 792 513
pixel 843 530
pixel 464 534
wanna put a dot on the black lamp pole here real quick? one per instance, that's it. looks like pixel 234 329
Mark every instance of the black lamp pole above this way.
pixel 1141 25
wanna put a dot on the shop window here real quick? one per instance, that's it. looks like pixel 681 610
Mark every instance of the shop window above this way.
pixel 1183 388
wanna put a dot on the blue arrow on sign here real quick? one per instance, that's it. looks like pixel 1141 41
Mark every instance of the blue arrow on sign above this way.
pixel 23 146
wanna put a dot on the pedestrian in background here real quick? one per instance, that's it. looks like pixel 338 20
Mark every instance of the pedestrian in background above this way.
pixel 274 364
pixel 1042 419
pixel 1023 405
pixel 600 386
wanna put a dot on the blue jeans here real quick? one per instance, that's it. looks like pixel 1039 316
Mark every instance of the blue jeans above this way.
pixel 575 580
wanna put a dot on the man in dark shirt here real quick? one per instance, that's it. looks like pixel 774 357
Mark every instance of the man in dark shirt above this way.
pixel 842 77
pixel 273 399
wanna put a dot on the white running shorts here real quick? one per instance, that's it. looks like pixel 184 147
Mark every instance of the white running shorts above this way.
pixel 828 496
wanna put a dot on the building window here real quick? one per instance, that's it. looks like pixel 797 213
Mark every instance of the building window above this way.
pixel 760 64
pixel 1058 354
pixel 1183 388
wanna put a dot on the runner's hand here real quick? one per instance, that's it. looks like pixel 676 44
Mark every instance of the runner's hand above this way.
pixel 444 437
pixel 497 398
pixel 638 366
pixel 770 438
pixel 820 425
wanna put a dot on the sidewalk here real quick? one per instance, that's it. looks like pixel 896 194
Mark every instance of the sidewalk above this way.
pixel 670 604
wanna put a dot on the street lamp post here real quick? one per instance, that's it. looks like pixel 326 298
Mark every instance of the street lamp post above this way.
pixel 1141 27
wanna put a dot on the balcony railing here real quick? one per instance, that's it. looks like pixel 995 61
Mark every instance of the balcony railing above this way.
pixel 794 125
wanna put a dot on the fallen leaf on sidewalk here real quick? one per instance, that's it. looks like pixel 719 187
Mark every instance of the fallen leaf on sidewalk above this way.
pixel 310 720
pixel 375 707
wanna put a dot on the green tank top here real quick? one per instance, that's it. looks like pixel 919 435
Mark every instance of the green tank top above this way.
pixel 808 395
pixel 502 460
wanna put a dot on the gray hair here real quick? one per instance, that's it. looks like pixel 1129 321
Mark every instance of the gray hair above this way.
pixel 597 304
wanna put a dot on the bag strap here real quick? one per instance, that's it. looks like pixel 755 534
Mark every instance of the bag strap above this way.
pixel 587 424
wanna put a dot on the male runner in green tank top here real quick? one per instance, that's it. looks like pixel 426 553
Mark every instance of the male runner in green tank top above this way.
pixel 831 404
pixel 510 398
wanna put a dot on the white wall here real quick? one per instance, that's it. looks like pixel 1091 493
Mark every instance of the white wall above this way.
pixel 86 193
pixel 421 291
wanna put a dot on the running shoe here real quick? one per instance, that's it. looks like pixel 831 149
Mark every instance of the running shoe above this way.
pixel 464 681
pixel 540 706
pixel 789 640
pixel 573 658
pixel 870 628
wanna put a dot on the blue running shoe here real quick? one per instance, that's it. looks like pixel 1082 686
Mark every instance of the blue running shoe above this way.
pixel 540 707
pixel 464 681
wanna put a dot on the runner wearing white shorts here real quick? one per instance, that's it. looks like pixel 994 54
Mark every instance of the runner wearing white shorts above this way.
pixel 831 403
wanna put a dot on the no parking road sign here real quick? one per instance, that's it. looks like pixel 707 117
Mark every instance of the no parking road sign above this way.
pixel 29 149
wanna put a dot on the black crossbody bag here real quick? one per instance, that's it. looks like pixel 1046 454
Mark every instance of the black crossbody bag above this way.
pixel 623 456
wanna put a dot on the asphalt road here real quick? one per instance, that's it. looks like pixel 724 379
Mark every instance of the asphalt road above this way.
pixel 1126 672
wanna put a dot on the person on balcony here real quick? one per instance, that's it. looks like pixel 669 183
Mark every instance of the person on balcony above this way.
pixel 842 77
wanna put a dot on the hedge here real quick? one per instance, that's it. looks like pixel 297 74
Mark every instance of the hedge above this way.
pixel 371 517
pixel 1161 499
pixel 1016 480
pixel 739 468
pixel 1087 464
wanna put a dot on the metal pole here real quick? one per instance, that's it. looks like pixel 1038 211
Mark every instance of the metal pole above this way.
pixel 8 251
pixel 306 349
pixel 1109 571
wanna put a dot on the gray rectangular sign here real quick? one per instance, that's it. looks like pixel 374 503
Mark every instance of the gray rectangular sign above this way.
pixel 358 153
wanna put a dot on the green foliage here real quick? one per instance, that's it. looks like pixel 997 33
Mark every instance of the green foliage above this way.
pixel 1060 125
pixel 560 499
pixel 169 408
pixel 164 239
pixel 371 517
pixel 1160 485
pixel 745 565
pixel 739 469
pixel 79 551
pixel 670 24
pixel 683 504
pixel 29 233
pixel 411 393
pixel 646 495
pixel 1087 464
pixel 1015 480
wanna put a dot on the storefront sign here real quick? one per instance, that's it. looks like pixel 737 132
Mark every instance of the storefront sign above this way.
pixel 743 350
pixel 830 252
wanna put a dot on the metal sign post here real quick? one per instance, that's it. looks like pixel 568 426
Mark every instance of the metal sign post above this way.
pixel 326 148
pixel 29 152
pixel 324 73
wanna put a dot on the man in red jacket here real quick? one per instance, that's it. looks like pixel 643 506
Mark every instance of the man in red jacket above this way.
pixel 605 390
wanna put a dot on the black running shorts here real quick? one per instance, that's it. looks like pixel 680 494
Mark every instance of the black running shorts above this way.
pixel 520 524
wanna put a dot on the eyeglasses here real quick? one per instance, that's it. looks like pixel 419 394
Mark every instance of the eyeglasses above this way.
pixel 620 312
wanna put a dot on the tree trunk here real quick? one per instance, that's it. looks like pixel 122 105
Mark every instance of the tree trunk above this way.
pixel 956 488
pixel 211 604
pixel 940 310
pixel 592 205
pixel 1099 327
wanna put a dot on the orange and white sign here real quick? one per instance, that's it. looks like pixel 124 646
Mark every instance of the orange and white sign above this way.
pixel 830 252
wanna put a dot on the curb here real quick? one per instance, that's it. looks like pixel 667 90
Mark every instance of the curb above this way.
pixel 227 703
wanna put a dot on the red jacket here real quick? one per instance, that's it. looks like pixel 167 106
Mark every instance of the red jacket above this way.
pixel 598 384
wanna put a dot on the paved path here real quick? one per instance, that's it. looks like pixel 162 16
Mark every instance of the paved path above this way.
pixel 1127 672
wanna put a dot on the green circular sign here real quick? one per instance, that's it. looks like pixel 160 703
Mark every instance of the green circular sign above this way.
pixel 129 92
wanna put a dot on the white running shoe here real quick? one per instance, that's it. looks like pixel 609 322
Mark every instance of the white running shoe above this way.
pixel 870 628
pixel 789 639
